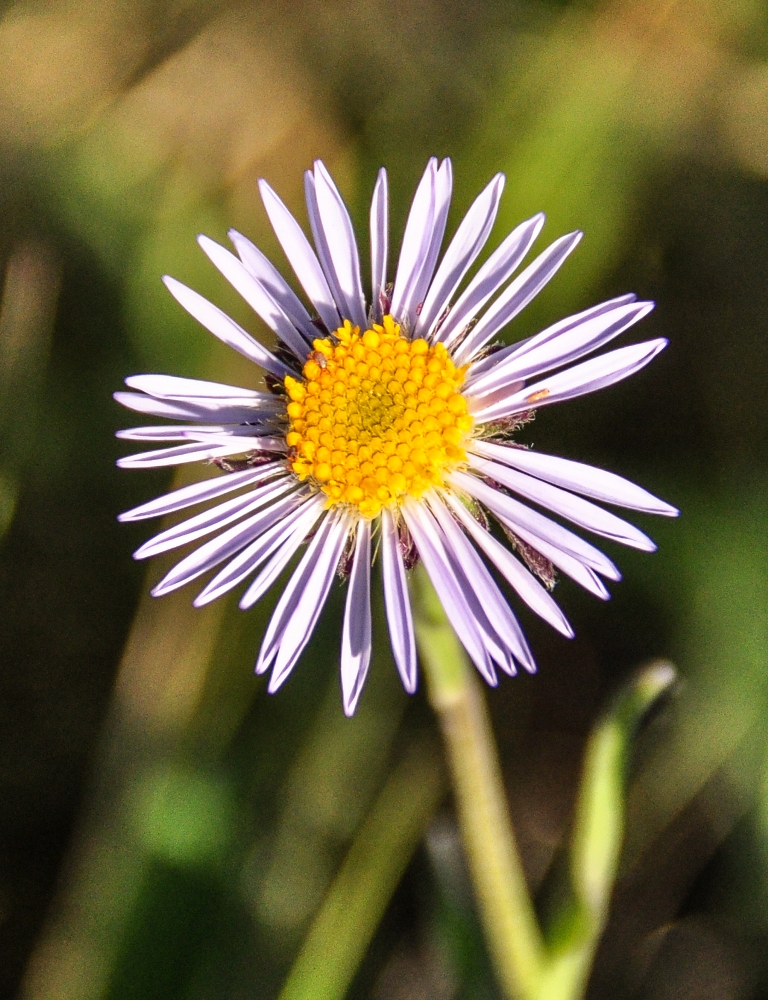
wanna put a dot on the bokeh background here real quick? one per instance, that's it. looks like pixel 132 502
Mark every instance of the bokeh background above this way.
pixel 167 829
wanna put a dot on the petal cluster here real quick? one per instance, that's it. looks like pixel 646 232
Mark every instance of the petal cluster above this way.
pixel 388 431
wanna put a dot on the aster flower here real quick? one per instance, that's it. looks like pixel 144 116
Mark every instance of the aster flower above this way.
pixel 388 431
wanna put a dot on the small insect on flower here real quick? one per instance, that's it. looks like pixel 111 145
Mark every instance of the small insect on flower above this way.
pixel 390 428
pixel 319 358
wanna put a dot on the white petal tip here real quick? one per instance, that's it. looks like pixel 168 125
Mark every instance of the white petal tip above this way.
pixel 563 626
pixel 276 682
pixel 262 665
pixel 202 599
pixel 350 705
pixel 644 544
pixel 264 189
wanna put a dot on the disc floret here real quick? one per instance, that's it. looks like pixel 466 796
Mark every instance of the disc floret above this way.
pixel 377 417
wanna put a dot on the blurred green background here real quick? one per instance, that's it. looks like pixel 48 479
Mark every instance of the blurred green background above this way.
pixel 166 828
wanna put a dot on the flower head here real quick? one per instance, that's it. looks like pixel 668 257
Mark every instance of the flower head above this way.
pixel 390 427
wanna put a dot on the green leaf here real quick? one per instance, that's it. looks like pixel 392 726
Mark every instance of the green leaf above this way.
pixel 597 836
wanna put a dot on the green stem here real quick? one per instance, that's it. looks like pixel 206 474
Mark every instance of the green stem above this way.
pixel 356 901
pixel 512 930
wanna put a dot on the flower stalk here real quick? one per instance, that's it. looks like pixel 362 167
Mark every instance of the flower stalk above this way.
pixel 530 964
pixel 506 910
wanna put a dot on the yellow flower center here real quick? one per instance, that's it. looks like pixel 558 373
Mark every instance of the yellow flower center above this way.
pixel 377 417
